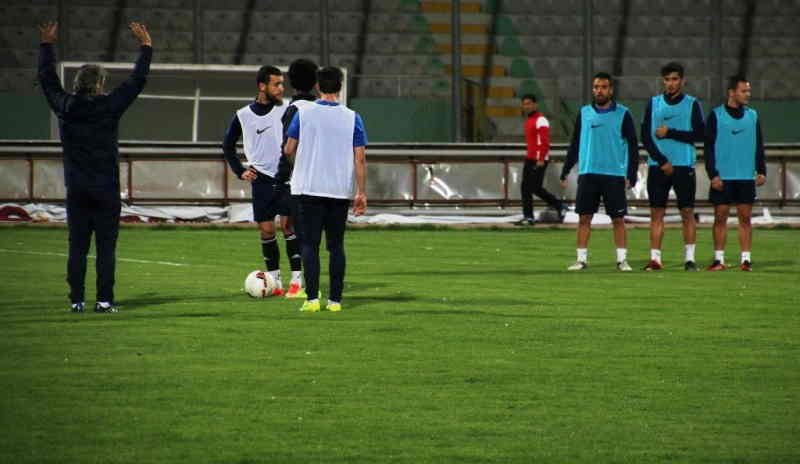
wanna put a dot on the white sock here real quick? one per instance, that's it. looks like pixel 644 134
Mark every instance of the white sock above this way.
pixel 622 254
pixel 689 252
pixel 745 256
pixel 583 255
pixel 719 255
pixel 277 276
pixel 655 255
pixel 297 277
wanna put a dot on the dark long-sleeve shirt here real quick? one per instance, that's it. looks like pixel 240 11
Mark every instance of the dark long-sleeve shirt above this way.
pixel 89 124
pixel 695 135
pixel 285 165
pixel 628 132
pixel 710 154
pixel 234 133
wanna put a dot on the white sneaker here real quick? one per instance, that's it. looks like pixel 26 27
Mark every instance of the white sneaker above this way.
pixel 624 266
pixel 578 266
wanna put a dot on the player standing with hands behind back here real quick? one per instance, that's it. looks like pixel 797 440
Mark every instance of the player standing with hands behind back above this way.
pixel 88 122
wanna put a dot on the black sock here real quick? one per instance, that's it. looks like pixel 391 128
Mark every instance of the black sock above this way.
pixel 293 252
pixel 272 256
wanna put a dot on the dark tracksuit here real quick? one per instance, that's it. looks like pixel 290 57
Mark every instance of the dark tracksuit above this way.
pixel 88 127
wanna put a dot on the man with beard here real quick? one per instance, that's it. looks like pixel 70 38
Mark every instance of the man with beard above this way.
pixel 259 124
pixel 605 147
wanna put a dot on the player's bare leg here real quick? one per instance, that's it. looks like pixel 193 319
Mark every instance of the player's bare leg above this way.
pixel 745 213
pixel 620 240
pixel 721 213
pixel 583 234
pixel 689 237
pixel 656 238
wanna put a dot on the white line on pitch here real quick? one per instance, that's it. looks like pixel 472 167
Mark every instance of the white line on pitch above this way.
pixel 130 260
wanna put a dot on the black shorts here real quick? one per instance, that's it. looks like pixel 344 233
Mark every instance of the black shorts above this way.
pixel 734 192
pixel 268 201
pixel 593 187
pixel 682 181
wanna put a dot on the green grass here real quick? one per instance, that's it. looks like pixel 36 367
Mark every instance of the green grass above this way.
pixel 453 346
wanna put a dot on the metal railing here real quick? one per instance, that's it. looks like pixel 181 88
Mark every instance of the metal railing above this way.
pixel 399 174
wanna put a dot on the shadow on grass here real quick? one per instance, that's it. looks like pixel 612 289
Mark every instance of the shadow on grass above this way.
pixel 151 299
pixel 465 312
pixel 470 272
pixel 356 301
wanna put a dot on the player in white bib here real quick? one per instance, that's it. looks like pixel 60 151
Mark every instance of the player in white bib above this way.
pixel 328 142
pixel 260 127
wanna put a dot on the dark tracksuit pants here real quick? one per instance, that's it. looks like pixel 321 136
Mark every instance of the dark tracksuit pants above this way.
pixel 532 180
pixel 91 211
pixel 316 214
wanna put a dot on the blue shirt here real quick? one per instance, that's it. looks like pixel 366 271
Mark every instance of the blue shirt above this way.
pixel 684 118
pixel 604 142
pixel 359 134
pixel 734 148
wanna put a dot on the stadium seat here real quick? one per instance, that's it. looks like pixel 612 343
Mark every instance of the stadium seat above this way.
pixel 566 66
pixel 347 22
pixel 538 67
pixel 511 46
pixel 343 43
pixel 637 88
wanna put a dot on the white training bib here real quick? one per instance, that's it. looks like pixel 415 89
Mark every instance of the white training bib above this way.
pixel 262 137
pixel 323 165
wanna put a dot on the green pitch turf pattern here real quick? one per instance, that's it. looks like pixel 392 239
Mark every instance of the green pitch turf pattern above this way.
pixel 454 346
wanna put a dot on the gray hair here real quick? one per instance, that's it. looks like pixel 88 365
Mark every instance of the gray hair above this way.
pixel 87 79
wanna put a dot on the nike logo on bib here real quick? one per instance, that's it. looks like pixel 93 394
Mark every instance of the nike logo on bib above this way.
pixel 258 132
pixel 667 118
pixel 735 131
pixel 595 126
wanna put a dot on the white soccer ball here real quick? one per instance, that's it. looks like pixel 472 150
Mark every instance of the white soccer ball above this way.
pixel 259 284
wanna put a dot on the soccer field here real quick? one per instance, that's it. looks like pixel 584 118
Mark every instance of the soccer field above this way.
pixel 453 346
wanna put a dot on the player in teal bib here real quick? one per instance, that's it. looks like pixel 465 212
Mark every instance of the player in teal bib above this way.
pixel 735 163
pixel 605 148
pixel 672 124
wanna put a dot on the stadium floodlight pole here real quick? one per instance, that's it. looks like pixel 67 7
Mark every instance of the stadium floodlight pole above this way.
pixel 324 58
pixel 716 52
pixel 455 30
pixel 588 50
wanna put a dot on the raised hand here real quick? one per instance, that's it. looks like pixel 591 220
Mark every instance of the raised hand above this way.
pixel 140 31
pixel 49 32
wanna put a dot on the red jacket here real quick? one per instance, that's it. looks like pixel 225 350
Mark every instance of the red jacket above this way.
pixel 537 136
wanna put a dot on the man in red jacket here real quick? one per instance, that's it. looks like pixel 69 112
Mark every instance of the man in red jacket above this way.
pixel 537 137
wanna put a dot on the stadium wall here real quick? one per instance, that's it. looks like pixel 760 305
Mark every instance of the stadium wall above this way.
pixel 388 120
